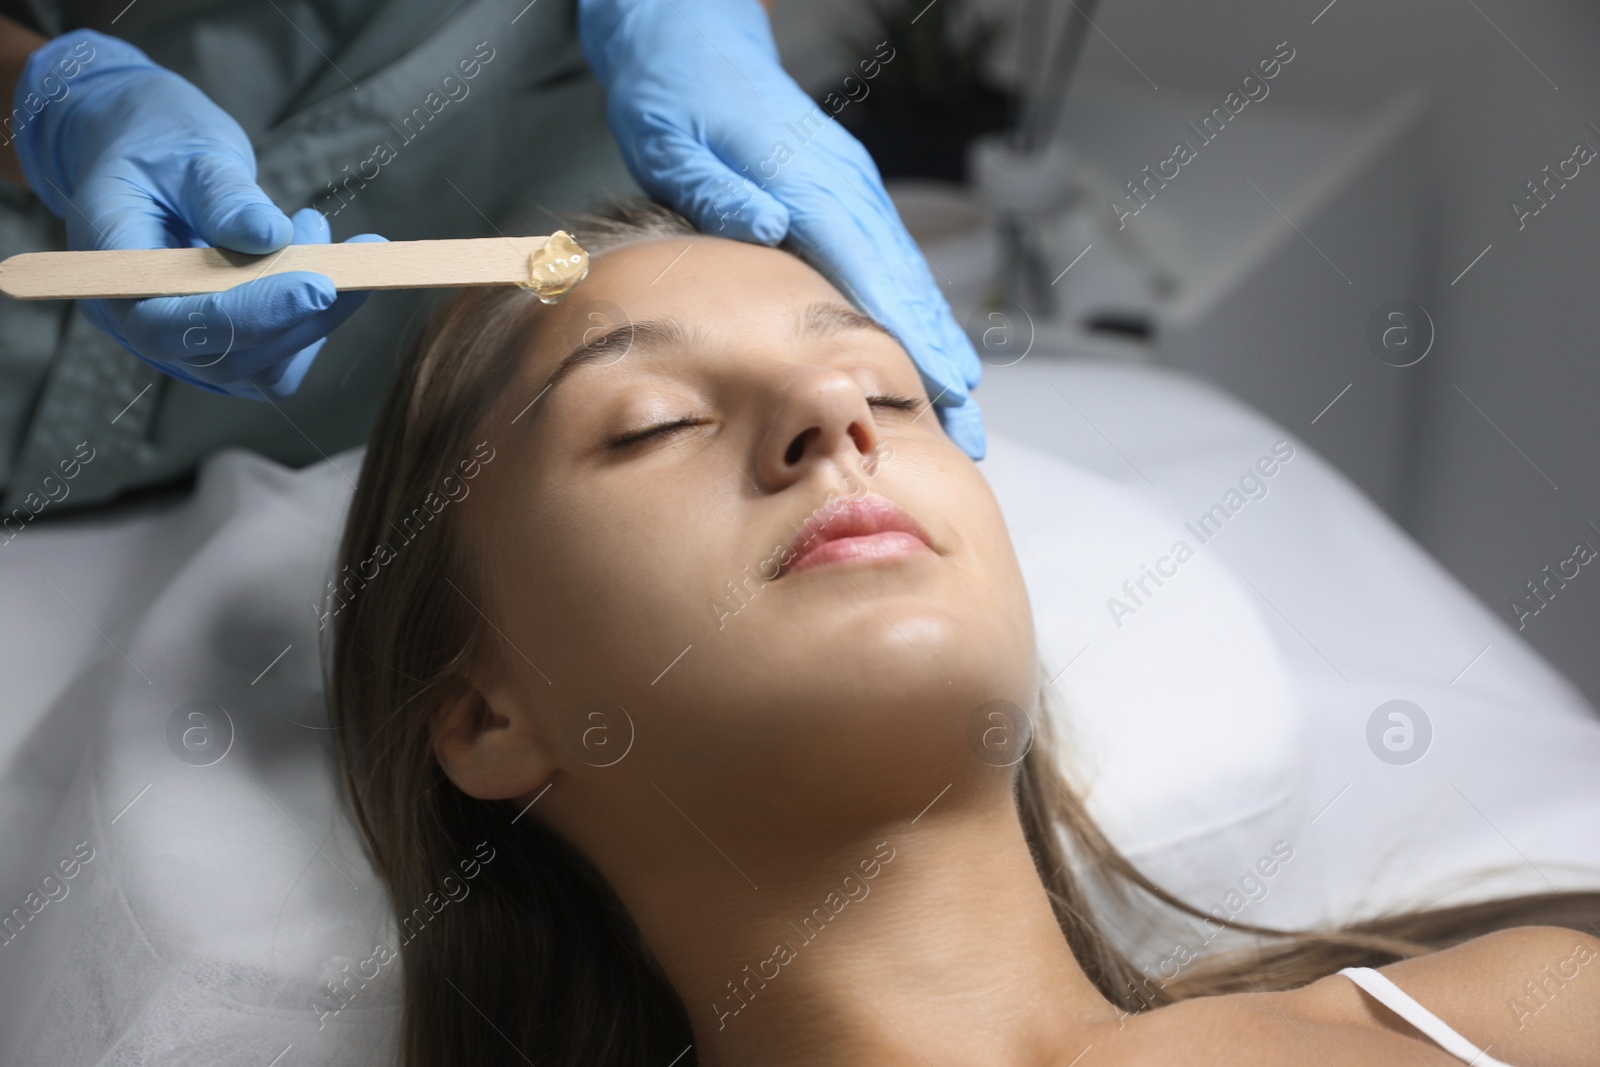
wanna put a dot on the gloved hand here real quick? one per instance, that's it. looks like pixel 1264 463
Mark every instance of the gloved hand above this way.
pixel 700 105
pixel 132 155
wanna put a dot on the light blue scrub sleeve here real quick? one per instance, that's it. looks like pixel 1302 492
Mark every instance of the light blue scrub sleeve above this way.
pixel 414 119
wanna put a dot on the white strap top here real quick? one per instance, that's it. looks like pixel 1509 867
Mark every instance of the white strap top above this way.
pixel 1399 1001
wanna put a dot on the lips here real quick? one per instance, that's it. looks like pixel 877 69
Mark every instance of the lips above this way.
pixel 864 529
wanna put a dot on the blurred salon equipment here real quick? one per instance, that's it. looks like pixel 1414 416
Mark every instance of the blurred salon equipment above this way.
pixel 1338 241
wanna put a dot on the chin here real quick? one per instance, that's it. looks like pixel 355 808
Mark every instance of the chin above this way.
pixel 904 649
pixel 986 647
pixel 858 713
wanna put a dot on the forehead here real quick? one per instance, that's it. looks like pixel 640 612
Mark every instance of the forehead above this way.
pixel 715 284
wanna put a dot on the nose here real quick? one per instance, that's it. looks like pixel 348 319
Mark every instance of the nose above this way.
pixel 821 415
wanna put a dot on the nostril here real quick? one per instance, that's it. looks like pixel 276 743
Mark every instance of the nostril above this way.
pixel 797 447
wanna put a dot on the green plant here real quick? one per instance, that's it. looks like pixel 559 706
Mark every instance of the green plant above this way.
pixel 940 51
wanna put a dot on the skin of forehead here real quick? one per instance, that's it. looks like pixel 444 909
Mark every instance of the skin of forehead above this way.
pixel 662 277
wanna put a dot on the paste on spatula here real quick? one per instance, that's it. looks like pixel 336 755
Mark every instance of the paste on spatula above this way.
pixel 556 268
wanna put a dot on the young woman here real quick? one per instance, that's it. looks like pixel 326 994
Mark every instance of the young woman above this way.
pixel 671 618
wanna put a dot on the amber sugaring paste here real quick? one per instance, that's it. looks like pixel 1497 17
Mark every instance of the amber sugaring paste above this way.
pixel 556 268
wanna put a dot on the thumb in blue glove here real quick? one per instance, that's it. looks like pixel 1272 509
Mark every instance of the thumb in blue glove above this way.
pixel 134 156
pixel 254 340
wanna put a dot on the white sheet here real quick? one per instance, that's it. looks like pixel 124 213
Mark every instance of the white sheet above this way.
pixel 1361 615
pixel 219 898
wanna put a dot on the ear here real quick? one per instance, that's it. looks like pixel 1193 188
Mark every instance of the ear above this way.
pixel 491 745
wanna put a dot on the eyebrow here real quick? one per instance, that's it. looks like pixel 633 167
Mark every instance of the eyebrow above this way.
pixel 619 341
pixel 819 319
pixel 824 317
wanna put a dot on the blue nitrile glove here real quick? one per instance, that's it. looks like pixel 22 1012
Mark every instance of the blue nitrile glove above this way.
pixel 700 105
pixel 131 155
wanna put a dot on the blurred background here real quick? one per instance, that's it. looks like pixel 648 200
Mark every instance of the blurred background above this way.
pixel 1382 234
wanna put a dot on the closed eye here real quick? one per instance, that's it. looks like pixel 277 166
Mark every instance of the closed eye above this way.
pixel 662 430
pixel 892 401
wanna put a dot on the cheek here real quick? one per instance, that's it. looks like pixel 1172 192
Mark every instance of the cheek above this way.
pixel 606 577
pixel 998 593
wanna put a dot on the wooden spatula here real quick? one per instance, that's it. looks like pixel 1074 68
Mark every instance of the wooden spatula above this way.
pixel 547 266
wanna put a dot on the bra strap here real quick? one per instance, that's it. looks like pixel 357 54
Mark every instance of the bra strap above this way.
pixel 1402 1004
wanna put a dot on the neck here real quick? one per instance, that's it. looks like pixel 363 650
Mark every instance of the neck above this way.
pixel 927 936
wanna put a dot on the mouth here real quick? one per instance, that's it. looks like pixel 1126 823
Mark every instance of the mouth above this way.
pixel 866 529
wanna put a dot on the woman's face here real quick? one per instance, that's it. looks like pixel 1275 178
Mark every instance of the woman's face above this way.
pixel 654 622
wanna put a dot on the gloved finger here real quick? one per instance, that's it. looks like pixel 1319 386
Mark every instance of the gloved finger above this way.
pixel 110 212
pixel 310 227
pixel 719 200
pixel 280 366
pixel 110 316
pixel 284 379
pixel 881 271
pixel 238 319
pixel 907 303
pixel 848 228
pixel 268 361
pixel 222 369
pixel 265 364
pixel 248 362
pixel 963 424
pixel 225 207
pixel 239 332
pixel 955 340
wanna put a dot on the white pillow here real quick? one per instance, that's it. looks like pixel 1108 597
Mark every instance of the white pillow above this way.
pixel 1500 796
pixel 1176 714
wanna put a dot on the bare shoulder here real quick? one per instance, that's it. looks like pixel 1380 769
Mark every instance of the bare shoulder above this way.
pixel 1257 1030
pixel 1528 995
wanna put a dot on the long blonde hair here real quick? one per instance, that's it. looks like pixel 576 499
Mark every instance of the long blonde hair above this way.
pixel 537 960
